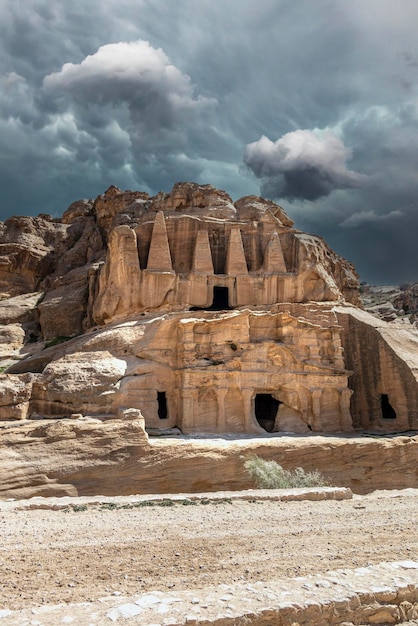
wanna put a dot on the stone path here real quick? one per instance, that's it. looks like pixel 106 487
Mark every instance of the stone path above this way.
pixel 381 594
pixel 252 558
pixel 282 495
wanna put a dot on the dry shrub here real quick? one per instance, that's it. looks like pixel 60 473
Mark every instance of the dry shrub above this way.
pixel 271 475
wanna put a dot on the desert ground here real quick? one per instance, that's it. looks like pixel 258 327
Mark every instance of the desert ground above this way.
pixel 84 553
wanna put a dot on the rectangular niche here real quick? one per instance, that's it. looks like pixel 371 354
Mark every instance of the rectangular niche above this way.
pixel 162 405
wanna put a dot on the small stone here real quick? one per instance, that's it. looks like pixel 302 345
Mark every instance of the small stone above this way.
pixel 147 601
pixel 408 564
pixel 113 615
pixel 5 613
pixel 129 610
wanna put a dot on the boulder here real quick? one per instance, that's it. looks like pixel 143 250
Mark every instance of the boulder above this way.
pixel 15 393
pixel 78 382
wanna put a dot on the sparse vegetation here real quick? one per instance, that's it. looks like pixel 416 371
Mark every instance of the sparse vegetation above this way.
pixel 271 475
pixel 77 508
pixel 3 368
pixel 56 341
pixel 108 506
pixel 114 506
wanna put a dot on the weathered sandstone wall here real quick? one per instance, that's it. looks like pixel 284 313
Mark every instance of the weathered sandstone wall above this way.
pixel 240 371
pixel 205 314
pixel 114 457
pixel 384 360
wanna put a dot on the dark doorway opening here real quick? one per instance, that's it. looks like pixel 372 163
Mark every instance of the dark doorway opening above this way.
pixel 220 299
pixel 388 412
pixel 266 410
pixel 162 405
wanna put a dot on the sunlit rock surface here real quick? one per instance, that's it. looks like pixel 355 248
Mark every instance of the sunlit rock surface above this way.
pixel 204 314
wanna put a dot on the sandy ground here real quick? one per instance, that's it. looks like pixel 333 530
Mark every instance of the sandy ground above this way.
pixel 71 556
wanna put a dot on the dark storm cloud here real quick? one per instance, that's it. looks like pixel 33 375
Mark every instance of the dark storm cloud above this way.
pixel 129 72
pixel 301 164
pixel 141 93
pixel 130 96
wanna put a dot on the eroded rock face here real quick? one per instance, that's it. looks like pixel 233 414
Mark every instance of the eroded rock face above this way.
pixel 115 457
pixel 15 393
pixel 210 316
pixel 78 383
pixel 384 360
pixel 189 246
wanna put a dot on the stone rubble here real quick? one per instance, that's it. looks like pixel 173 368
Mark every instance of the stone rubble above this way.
pixel 282 495
pixel 382 594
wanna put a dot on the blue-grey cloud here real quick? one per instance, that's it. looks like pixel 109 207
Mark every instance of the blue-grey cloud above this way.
pixel 85 102
pixel 302 164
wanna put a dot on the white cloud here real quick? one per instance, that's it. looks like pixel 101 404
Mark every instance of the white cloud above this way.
pixel 131 72
pixel 302 164
pixel 363 217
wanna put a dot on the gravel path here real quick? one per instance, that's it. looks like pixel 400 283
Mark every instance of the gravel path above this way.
pixel 72 556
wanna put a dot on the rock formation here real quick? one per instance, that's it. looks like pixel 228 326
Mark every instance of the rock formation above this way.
pixel 88 456
pixel 391 302
pixel 204 314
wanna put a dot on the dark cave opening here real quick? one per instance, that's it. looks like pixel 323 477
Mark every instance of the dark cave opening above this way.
pixel 220 300
pixel 162 405
pixel 266 407
pixel 388 412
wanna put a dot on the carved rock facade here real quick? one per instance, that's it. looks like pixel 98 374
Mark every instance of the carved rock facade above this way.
pixel 202 313
pixel 185 253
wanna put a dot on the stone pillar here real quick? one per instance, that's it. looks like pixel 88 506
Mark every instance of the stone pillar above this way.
pixel 235 259
pixel 273 256
pixel 159 257
pixel 119 281
pixel 249 425
pixel 243 291
pixel 346 423
pixel 221 422
pixel 202 256
pixel 304 405
pixel 316 407
pixel 187 410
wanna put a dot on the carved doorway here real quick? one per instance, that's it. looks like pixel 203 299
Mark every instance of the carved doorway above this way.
pixel 162 405
pixel 266 407
pixel 388 412
pixel 220 300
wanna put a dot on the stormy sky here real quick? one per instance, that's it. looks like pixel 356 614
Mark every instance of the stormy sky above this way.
pixel 313 103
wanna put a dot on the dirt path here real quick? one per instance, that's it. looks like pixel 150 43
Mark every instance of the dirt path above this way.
pixel 58 556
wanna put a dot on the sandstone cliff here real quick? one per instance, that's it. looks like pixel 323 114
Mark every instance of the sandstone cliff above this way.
pixel 204 314
pixel 89 457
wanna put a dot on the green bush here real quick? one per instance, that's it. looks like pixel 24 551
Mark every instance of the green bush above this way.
pixel 271 475
pixel 56 341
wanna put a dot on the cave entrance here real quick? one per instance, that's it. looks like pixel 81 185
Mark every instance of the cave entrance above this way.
pixel 162 405
pixel 220 299
pixel 388 412
pixel 266 407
